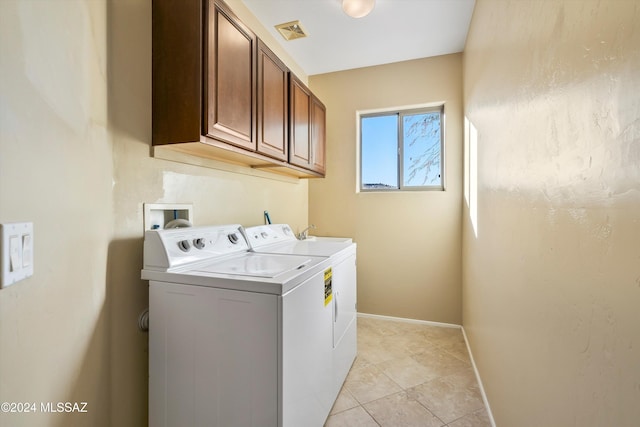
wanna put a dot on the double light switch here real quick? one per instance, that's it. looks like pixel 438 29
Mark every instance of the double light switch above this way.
pixel 16 252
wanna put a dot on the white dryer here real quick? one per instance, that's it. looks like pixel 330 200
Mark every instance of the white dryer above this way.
pixel 236 338
pixel 341 274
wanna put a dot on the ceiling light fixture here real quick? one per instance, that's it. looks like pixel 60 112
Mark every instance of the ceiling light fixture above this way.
pixel 358 8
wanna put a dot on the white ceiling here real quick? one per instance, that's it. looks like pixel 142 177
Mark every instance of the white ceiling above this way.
pixel 396 30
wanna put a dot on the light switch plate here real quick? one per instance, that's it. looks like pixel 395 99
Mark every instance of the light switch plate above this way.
pixel 16 252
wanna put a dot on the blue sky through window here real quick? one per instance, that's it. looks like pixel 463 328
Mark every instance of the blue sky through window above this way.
pixel 379 146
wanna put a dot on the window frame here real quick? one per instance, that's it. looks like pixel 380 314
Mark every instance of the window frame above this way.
pixel 400 113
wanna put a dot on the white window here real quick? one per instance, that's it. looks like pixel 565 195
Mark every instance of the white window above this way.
pixel 402 150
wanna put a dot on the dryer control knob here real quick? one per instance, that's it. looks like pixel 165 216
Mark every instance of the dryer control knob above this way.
pixel 184 245
pixel 199 243
pixel 233 238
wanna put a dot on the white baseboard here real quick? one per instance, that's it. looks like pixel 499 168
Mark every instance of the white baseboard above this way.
pixel 405 320
pixel 466 341
pixel 475 369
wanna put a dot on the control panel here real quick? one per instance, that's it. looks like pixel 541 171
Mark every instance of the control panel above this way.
pixel 170 248
pixel 262 235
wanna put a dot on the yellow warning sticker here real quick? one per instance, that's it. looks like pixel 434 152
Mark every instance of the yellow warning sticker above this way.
pixel 328 292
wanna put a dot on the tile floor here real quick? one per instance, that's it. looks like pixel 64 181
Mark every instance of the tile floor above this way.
pixel 409 374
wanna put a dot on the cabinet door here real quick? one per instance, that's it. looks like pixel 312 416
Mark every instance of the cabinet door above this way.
pixel 300 147
pixel 176 71
pixel 273 104
pixel 318 135
pixel 308 128
pixel 230 105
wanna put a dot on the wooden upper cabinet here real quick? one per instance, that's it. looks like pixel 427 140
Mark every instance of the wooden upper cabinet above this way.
pixel 307 128
pixel 299 144
pixel 218 92
pixel 176 54
pixel 318 134
pixel 230 101
pixel 273 104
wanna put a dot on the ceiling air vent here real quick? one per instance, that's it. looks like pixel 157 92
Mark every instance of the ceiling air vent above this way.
pixel 291 30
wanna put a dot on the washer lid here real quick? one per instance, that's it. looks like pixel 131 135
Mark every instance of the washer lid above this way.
pixel 258 265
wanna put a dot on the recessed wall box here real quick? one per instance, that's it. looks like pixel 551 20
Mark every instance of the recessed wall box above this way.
pixel 158 215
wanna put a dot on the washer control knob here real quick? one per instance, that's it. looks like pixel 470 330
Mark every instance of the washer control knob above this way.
pixel 264 234
pixel 199 243
pixel 233 238
pixel 184 245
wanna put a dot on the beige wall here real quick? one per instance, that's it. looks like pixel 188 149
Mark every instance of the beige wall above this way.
pixel 55 170
pixel 409 243
pixel 552 280
pixel 75 126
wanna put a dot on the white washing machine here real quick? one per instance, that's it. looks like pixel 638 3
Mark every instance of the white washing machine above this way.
pixel 341 252
pixel 237 338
